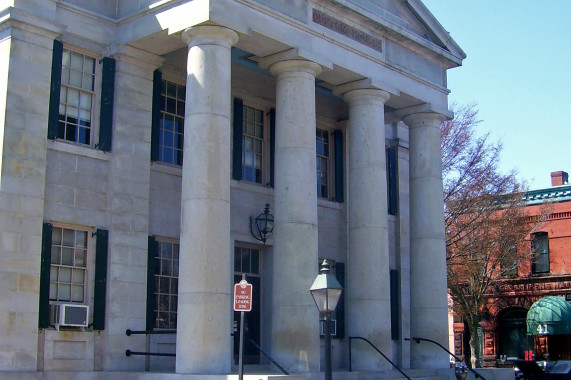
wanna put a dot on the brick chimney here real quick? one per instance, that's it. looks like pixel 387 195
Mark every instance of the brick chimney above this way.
pixel 559 178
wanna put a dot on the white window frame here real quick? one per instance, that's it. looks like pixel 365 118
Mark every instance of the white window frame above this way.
pixel 89 279
pixel 166 80
pixel 95 100
pixel 157 276
pixel 330 159
pixel 265 168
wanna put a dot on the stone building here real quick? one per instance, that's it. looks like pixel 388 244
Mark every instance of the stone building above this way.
pixel 504 332
pixel 327 110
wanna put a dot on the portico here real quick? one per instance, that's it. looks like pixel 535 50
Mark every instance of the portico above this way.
pixel 263 91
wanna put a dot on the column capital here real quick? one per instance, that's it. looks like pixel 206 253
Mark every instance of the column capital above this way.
pixel 366 84
pixel 295 66
pixel 298 59
pixel 366 94
pixel 422 113
pixel 210 35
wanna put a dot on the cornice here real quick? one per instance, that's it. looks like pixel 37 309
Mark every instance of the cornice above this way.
pixel 13 17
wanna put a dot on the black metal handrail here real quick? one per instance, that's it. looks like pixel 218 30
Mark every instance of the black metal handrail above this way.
pixel 376 349
pixel 418 340
pixel 129 353
pixel 266 355
pixel 130 332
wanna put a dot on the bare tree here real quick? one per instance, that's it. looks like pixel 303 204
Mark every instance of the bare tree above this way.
pixel 485 218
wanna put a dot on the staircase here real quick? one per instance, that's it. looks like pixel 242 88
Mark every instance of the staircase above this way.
pixel 415 374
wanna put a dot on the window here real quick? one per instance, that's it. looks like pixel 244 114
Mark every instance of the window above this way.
pixel 392 179
pixel 540 251
pixel 253 144
pixel 246 260
pixel 171 138
pixel 68 270
pixel 77 93
pixel 322 162
pixel 166 285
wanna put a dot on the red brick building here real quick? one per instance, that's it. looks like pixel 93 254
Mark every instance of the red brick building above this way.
pixel 503 331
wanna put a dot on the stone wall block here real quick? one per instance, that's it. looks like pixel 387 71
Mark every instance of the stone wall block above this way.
pixel 91 200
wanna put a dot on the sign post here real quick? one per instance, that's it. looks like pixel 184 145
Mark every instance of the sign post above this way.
pixel 242 303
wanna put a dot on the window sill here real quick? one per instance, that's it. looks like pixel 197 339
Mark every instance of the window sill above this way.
pixel 321 202
pixel 250 186
pixel 166 168
pixel 70 148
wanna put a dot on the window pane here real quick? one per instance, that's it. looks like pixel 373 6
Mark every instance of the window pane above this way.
pixel 77 276
pixel 67 256
pixel 89 65
pixel 75 78
pixel 171 89
pixel 255 261
pixel 85 101
pixel 175 252
pixel 175 268
pixel 53 273
pixel 81 239
pixel 80 258
pixel 53 291
pixel 64 275
pixel 56 255
pixel 56 235
pixel 68 237
pixel 76 61
pixel 65 58
pixel 237 260
pixel 77 293
pixel 64 292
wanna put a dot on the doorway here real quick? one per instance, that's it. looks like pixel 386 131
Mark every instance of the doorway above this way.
pixel 512 334
pixel 247 260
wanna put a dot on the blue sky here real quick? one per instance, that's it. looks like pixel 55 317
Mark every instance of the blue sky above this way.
pixel 518 72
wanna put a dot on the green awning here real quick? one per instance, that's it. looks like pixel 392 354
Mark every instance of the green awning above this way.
pixel 549 316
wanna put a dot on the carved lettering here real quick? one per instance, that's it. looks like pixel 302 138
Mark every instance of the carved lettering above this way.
pixel 347 30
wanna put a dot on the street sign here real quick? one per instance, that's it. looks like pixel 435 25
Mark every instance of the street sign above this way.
pixel 242 296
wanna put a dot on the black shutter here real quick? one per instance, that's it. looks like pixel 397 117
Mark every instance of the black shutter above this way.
pixel 53 117
pixel 338 141
pixel 395 317
pixel 152 253
pixel 237 139
pixel 340 311
pixel 106 112
pixel 100 289
pixel 272 144
pixel 392 179
pixel 156 115
pixel 44 306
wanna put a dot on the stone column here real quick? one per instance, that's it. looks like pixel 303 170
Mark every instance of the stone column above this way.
pixel 25 66
pixel 295 337
pixel 205 279
pixel 428 288
pixel 368 287
pixel 128 211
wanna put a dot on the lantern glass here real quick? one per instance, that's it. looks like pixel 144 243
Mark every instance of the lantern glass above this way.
pixel 326 299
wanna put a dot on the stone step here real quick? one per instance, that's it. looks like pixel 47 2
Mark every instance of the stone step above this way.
pixel 416 374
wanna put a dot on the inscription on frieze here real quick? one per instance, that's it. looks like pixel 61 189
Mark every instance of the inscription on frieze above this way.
pixel 347 30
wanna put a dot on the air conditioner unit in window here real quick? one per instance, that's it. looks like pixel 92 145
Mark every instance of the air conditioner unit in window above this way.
pixel 72 315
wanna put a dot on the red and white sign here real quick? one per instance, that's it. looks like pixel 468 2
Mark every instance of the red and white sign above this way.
pixel 242 296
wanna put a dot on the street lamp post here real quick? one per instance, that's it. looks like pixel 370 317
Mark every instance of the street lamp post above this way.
pixel 326 291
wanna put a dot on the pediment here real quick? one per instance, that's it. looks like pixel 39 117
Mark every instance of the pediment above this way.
pixel 407 22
